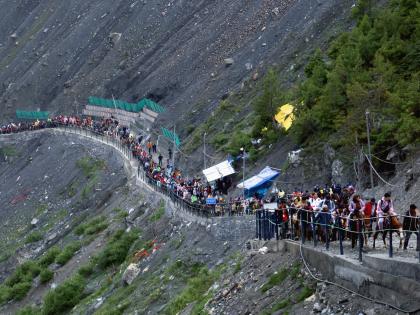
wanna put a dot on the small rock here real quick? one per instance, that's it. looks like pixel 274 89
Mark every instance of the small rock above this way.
pixel 248 66
pixel 263 250
pixel 317 308
pixel 99 302
pixel 310 299
pixel 229 61
pixel 34 222
pixel 51 237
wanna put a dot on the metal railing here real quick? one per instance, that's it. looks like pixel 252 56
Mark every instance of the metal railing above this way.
pixel 303 225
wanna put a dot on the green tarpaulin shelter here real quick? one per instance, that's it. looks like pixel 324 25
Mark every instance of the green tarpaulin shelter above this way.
pixel 149 104
pixel 109 103
pixel 22 114
pixel 171 136
pixel 129 107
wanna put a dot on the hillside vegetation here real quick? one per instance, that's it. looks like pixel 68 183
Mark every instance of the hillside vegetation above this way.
pixel 374 67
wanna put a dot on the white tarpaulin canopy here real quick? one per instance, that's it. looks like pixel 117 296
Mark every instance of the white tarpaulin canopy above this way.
pixel 218 171
pixel 261 178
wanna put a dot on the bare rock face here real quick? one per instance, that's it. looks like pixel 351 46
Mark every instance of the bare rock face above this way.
pixel 294 157
pixel 337 169
pixel 115 38
pixel 130 274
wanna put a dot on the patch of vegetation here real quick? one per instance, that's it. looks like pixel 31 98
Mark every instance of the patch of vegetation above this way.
pixel 278 306
pixel 295 271
pixel 121 213
pixel 29 310
pixel 374 66
pixel 33 237
pixel 20 282
pixel 92 227
pixel 117 248
pixel 67 253
pixel 46 275
pixel 159 213
pixel 306 292
pixel 87 270
pixel 118 302
pixel 65 296
pixel 41 209
pixel 49 257
pixel 8 151
pixel 90 166
pixel 195 291
pixel 276 279
pixel 88 189
pixel 72 189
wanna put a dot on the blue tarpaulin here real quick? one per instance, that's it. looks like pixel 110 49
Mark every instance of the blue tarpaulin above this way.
pixel 259 183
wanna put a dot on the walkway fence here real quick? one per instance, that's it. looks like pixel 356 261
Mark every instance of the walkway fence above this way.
pixel 305 226
pixel 302 224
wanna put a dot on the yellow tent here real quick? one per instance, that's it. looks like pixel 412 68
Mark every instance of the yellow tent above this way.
pixel 285 116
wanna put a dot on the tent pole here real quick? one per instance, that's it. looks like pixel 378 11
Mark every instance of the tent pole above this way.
pixel 243 174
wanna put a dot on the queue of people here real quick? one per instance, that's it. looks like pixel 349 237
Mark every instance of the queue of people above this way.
pixel 323 213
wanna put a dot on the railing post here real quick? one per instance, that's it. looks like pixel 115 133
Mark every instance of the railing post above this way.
pixel 256 224
pixel 418 240
pixel 303 229
pixel 359 231
pixel 391 249
pixel 327 237
pixel 340 235
pixel 276 226
pixel 291 223
pixel 314 229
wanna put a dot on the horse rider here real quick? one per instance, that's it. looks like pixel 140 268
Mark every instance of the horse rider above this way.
pixel 385 208
pixel 411 224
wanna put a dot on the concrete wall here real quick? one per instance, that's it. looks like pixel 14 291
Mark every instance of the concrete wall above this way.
pixel 383 279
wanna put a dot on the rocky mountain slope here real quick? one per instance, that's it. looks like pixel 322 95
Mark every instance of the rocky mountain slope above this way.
pixel 54 55
pixel 134 254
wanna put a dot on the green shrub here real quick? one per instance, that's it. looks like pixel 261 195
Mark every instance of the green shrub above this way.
pixel 304 293
pixel 276 279
pixel 5 293
pixel 86 270
pixel 19 290
pixel 24 273
pixel 20 282
pixel 49 257
pixel 158 214
pixel 46 275
pixel 33 237
pixel 92 227
pixel 90 166
pixel 65 296
pixel 29 310
pixel 67 253
pixel 194 291
pixel 117 249
pixel 280 305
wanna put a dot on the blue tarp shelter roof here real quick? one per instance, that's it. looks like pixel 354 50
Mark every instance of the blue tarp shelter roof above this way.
pixel 260 182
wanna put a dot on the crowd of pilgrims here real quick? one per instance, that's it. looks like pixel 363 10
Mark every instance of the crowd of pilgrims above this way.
pixel 331 208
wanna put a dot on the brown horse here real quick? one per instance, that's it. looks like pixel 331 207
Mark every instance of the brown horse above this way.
pixel 391 224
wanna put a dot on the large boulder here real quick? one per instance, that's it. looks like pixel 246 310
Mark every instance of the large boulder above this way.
pixel 130 274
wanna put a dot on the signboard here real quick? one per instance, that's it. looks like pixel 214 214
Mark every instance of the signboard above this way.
pixel 211 201
pixel 270 206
